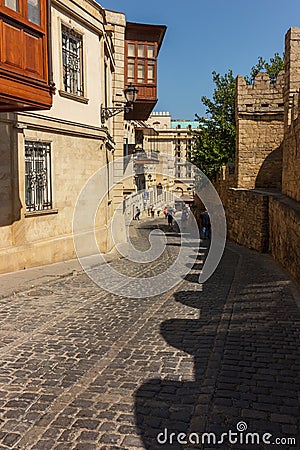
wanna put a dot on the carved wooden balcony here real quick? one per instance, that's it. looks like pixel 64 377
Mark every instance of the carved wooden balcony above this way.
pixel 24 55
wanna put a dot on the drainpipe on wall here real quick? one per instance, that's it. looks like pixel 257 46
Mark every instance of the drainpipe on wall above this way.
pixel 49 45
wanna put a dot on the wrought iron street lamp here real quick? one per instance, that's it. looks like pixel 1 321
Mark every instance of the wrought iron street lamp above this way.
pixel 130 94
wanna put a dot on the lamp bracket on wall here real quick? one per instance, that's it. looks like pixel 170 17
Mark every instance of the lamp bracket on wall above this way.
pixel 130 94
pixel 107 113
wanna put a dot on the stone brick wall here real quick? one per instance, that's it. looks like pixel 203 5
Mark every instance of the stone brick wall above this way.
pixel 284 233
pixel 246 212
pixel 267 160
pixel 291 156
pixel 291 72
pixel 291 153
pixel 265 222
pixel 225 180
pixel 260 129
pixel 247 218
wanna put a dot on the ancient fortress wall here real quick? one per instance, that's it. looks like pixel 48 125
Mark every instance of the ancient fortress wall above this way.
pixel 262 198
pixel 246 213
pixel 284 233
pixel 291 153
pixel 260 129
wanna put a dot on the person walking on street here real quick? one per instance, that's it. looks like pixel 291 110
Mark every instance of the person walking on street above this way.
pixel 205 224
pixel 170 219
pixel 137 215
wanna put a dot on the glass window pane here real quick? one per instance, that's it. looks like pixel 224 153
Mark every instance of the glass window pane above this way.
pixel 141 71
pixel 12 4
pixel 131 50
pixel 151 73
pixel 130 72
pixel 34 15
pixel 141 51
pixel 72 61
pixel 151 51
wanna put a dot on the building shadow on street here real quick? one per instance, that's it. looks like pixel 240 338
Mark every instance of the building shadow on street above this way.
pixel 169 404
pixel 244 371
pixel 10 204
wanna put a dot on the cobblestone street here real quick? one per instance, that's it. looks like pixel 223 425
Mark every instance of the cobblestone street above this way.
pixel 88 370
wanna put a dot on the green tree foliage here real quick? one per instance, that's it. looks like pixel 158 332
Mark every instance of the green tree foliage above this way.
pixel 215 142
pixel 272 68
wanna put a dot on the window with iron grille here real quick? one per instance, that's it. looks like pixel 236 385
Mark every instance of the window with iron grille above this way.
pixel 38 195
pixel 72 61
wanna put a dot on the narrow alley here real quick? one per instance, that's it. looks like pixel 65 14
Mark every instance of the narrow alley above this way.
pixel 88 370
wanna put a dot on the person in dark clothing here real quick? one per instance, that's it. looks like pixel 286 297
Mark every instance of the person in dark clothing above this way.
pixel 205 224
pixel 170 219
pixel 137 214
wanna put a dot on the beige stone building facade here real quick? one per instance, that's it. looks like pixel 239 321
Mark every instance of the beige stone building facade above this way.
pixel 52 154
pixel 49 156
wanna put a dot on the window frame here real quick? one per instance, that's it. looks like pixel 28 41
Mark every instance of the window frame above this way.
pixel 40 18
pixel 22 14
pixel 81 83
pixel 19 2
pixel 146 60
pixel 45 202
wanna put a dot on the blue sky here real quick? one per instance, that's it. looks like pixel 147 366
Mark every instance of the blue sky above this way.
pixel 203 36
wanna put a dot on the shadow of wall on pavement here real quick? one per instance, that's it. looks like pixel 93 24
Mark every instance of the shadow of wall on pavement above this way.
pixel 252 379
pixel 169 404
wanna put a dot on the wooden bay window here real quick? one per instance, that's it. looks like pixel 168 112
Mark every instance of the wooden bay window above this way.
pixel 141 63
pixel 24 55
pixel 142 45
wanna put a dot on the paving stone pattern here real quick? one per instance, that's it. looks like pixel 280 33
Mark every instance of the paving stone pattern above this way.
pixel 87 370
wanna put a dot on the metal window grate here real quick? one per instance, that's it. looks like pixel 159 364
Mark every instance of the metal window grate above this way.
pixel 72 61
pixel 38 193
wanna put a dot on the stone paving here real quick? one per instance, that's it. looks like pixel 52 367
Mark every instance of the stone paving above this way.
pixel 83 369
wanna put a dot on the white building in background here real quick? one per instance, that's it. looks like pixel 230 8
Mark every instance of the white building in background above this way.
pixel 175 139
